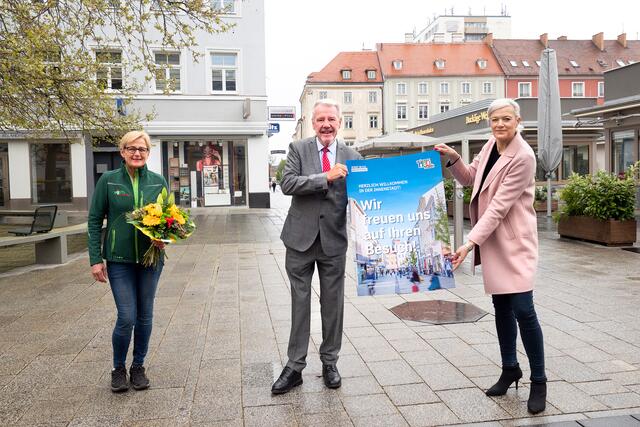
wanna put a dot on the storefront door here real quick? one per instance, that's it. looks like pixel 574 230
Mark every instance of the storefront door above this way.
pixel 4 178
pixel 105 161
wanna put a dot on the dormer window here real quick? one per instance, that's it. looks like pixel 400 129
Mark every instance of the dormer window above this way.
pixel 397 64
pixel 482 63
pixel 538 63
pixel 439 63
pixel 620 62
pixel 513 63
pixel 346 74
pixel 602 63
pixel 371 74
pixel 525 63
pixel 574 64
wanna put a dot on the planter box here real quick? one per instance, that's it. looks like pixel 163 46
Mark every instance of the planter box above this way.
pixel 542 206
pixel 610 232
pixel 465 209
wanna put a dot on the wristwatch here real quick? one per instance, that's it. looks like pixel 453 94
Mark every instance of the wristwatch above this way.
pixel 469 246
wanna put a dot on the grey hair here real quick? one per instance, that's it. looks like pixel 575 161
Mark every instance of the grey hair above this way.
pixel 326 101
pixel 501 103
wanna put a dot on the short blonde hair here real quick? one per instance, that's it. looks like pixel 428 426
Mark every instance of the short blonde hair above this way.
pixel 133 135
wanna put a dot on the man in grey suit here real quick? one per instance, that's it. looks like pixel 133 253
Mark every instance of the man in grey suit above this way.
pixel 314 233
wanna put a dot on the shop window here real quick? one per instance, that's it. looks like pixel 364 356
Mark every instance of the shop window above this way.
pixel 50 173
pixel 575 158
pixel 623 154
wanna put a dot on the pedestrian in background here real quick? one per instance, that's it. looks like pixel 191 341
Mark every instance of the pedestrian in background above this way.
pixel 315 233
pixel 505 238
pixel 117 193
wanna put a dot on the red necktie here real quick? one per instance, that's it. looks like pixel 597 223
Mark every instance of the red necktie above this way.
pixel 326 164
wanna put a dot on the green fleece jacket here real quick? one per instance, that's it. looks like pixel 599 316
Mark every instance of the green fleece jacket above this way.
pixel 115 195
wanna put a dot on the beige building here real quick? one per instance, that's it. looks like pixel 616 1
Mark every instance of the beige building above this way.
pixel 426 79
pixel 462 28
pixel 354 80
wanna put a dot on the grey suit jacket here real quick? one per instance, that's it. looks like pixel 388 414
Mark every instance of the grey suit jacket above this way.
pixel 316 206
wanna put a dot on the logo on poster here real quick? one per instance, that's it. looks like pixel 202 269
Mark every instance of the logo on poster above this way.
pixel 359 169
pixel 425 164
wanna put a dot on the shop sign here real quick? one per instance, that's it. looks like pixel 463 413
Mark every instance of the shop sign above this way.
pixel 476 118
pixel 282 113
pixel 425 131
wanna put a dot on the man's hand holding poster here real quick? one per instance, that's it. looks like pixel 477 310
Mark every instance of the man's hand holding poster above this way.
pixel 398 216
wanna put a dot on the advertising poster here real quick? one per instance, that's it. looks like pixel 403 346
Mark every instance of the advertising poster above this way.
pixel 398 216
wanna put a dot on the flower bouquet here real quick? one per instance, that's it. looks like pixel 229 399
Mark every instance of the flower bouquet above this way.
pixel 161 221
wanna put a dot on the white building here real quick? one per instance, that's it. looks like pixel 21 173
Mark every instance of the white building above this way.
pixel 462 28
pixel 217 103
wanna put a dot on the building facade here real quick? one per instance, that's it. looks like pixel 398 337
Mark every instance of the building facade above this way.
pixel 426 79
pixel 461 28
pixel 354 80
pixel 211 124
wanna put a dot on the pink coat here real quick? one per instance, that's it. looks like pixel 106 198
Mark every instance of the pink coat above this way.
pixel 502 216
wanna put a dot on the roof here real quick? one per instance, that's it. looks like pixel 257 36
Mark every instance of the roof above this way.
pixel 394 141
pixel 617 104
pixel 418 59
pixel 591 61
pixel 357 62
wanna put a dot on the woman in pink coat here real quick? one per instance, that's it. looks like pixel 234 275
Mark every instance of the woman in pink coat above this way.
pixel 505 238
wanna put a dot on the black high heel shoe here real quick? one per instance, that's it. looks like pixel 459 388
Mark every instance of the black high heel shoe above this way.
pixel 537 397
pixel 508 376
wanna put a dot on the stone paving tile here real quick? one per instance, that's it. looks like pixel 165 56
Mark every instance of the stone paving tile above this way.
pixel 432 414
pixel 620 421
pixel 442 376
pixel 281 415
pixel 393 420
pixel 411 394
pixel 423 357
pixel 569 398
pixel 611 366
pixel 358 386
pixel 470 404
pixel 602 387
pixel 338 419
pixel 620 400
pixel 571 370
pixel 393 372
pixel 370 405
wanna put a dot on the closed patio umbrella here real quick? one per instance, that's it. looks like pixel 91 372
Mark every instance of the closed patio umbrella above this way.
pixel 549 118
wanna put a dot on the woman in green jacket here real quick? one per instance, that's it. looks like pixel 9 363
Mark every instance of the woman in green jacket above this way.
pixel 133 285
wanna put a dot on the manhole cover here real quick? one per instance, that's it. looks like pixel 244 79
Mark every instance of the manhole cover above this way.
pixel 634 250
pixel 438 312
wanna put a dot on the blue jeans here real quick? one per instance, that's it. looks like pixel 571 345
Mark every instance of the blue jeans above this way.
pixel 134 289
pixel 518 308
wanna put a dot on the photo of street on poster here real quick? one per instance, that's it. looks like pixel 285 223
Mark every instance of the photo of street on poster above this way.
pixel 398 217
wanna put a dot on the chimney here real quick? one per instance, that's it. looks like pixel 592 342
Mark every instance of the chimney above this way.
pixel 622 39
pixel 488 39
pixel 562 38
pixel 544 39
pixel 598 40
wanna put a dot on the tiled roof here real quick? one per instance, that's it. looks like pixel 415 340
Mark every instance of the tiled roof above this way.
pixel 586 55
pixel 357 62
pixel 419 59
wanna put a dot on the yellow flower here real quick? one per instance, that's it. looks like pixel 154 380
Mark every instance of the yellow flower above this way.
pixel 179 218
pixel 154 209
pixel 173 210
pixel 150 220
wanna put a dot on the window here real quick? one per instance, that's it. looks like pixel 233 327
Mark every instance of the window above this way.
pixel 524 89
pixel 346 74
pixel 371 74
pixel 397 64
pixel 440 63
pixel 620 62
pixel 622 152
pixel 401 111
pixel 444 107
pixel 322 94
pixel 224 69
pixel 226 7
pixel 373 97
pixel 109 74
pixel 168 71
pixel 373 122
pixel 348 122
pixel 444 88
pixel 577 89
pixel 465 88
pixel 487 87
pixel 423 111
pixel 600 89
pixel 401 89
pixel 538 63
pixel 482 63
pixel 574 63
pixel 50 173
pixel 575 158
pixel 423 88
pixel 525 63
pixel 348 97
pixel 513 63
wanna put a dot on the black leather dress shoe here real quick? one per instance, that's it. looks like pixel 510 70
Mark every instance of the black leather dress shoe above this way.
pixel 331 376
pixel 288 379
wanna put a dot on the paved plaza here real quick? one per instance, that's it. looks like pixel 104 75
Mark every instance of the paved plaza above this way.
pixel 221 329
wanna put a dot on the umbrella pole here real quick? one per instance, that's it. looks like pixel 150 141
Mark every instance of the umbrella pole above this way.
pixel 549 195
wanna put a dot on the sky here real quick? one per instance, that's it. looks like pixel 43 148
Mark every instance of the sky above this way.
pixel 302 36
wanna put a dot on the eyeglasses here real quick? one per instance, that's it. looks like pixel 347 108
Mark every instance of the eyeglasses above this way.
pixel 132 150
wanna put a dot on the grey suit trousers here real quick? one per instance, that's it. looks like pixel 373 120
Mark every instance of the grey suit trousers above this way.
pixel 300 267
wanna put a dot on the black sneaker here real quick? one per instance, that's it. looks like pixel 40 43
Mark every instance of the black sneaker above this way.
pixel 119 381
pixel 139 380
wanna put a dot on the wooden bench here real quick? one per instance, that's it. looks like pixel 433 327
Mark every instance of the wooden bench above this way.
pixel 51 247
